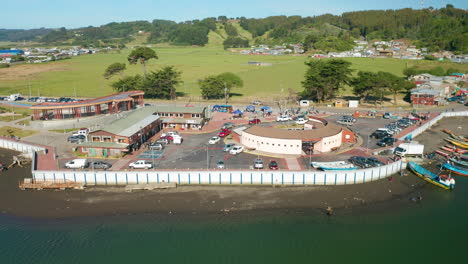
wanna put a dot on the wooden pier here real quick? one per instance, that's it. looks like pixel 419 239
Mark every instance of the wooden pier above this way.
pixel 29 183
pixel 151 186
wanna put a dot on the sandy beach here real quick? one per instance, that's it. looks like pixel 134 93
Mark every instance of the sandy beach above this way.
pixel 199 200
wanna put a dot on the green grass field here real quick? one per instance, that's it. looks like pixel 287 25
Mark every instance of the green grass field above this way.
pixel 84 74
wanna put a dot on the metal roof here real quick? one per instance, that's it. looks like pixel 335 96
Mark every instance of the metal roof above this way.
pixel 119 97
pixel 181 120
pixel 132 123
pixel 98 144
pixel 304 135
pixel 178 109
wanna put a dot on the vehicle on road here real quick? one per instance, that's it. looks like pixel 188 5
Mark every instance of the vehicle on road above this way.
pixel 283 118
pixel 141 164
pixel 214 140
pixel 360 161
pixel 348 118
pixel 258 163
pixel 301 121
pixel 388 141
pixel 77 164
pixel 236 150
pixel 156 146
pixel 163 141
pixel 346 122
pixel 220 164
pixel 228 147
pixel 273 165
pixel 224 133
pixel 227 125
pixel 254 121
pixel 76 139
pixel 99 165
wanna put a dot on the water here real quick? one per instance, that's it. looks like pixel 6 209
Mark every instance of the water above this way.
pixel 431 231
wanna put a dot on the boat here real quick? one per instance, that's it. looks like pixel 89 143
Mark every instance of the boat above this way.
pixel 454 149
pixel 334 165
pixel 442 181
pixel 459 162
pixel 455 169
pixel 457 143
pixel 442 153
pixel 453 135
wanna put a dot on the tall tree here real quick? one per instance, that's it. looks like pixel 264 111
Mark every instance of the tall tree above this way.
pixel 142 54
pixel 325 77
pixel 219 86
pixel 162 83
pixel 128 83
pixel 364 84
pixel 114 68
pixel 230 80
pixel 392 83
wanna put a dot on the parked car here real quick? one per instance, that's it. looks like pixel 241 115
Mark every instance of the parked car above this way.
pixel 76 139
pixel 380 134
pixel 224 133
pixel 82 131
pixel 254 121
pixel 283 118
pixel 301 121
pixel 349 118
pixel 273 165
pixel 214 140
pixel 387 116
pixel 374 162
pixel 99 165
pixel 220 164
pixel 141 164
pixel 346 122
pixel 170 133
pixel 388 141
pixel 156 146
pixel 163 141
pixel 257 102
pixel 228 147
pixel 236 150
pixel 77 164
pixel 168 138
pixel 359 161
pixel 461 101
pixel 258 164
pixel 227 125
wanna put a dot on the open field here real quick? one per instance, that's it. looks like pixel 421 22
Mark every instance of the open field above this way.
pixel 83 75
pixel 13 131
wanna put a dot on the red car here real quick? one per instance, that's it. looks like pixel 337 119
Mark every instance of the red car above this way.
pixel 254 121
pixel 224 133
pixel 273 165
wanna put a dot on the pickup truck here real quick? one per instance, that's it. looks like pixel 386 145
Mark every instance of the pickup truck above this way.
pixel 141 164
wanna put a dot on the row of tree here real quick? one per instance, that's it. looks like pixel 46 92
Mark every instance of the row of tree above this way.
pixel 325 78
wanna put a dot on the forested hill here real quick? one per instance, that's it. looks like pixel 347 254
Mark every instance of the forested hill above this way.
pixel 436 29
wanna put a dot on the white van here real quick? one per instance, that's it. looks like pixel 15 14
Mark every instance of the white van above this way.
pixel 177 139
pixel 389 131
pixel 77 164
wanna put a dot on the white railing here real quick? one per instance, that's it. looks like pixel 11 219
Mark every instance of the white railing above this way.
pixel 431 122
pixel 24 147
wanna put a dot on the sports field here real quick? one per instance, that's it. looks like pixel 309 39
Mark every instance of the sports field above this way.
pixel 82 76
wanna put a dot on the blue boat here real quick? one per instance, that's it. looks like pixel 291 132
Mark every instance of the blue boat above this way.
pixel 459 162
pixel 333 166
pixel 455 169
pixel 443 181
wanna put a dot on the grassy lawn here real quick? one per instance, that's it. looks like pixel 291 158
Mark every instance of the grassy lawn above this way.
pixel 63 130
pixel 84 74
pixel 10 118
pixel 13 131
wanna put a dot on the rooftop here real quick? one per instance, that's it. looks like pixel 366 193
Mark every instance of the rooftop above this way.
pixel 305 135
pixel 98 144
pixel 178 109
pixel 131 124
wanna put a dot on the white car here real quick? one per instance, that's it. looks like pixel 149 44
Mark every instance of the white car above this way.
pixel 170 133
pixel 214 140
pixel 301 121
pixel 258 164
pixel 141 164
pixel 236 150
pixel 283 118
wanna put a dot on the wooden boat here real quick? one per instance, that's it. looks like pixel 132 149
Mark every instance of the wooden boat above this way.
pixel 455 169
pixel 442 181
pixel 442 153
pixel 459 162
pixel 454 149
pixel 453 135
pixel 334 165
pixel 457 143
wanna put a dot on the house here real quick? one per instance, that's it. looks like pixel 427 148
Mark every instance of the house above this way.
pixel 425 96
pixel 123 135
pixel 181 117
pixel 11 52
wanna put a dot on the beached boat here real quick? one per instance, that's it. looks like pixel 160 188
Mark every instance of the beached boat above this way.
pixel 334 165
pixel 453 135
pixel 442 153
pixel 455 169
pixel 457 143
pixel 459 162
pixel 443 181
pixel 454 149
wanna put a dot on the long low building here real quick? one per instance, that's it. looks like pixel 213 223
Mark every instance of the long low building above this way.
pixel 318 136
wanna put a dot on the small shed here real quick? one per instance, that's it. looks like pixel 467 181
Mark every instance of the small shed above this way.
pixel 339 103
pixel 304 103
pixel 353 103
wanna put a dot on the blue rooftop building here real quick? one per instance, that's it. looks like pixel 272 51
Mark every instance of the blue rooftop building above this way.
pixel 12 52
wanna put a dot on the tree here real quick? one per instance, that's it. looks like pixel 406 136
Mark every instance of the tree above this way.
pixel 411 71
pixel 219 86
pixel 325 77
pixel 142 54
pixel 114 68
pixel 364 84
pixel 162 83
pixel 390 83
pixel 230 30
pixel 128 83
pixel 235 42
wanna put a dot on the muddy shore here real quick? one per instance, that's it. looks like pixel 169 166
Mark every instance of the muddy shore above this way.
pixel 206 200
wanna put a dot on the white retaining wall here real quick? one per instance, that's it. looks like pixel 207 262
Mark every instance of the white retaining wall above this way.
pixel 224 177
pixel 431 122
pixel 21 146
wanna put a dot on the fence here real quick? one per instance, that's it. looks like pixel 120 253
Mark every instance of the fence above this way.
pixel 431 122
pixel 23 147
pixel 223 177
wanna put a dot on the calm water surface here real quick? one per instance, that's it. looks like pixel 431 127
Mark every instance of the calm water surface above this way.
pixel 433 231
